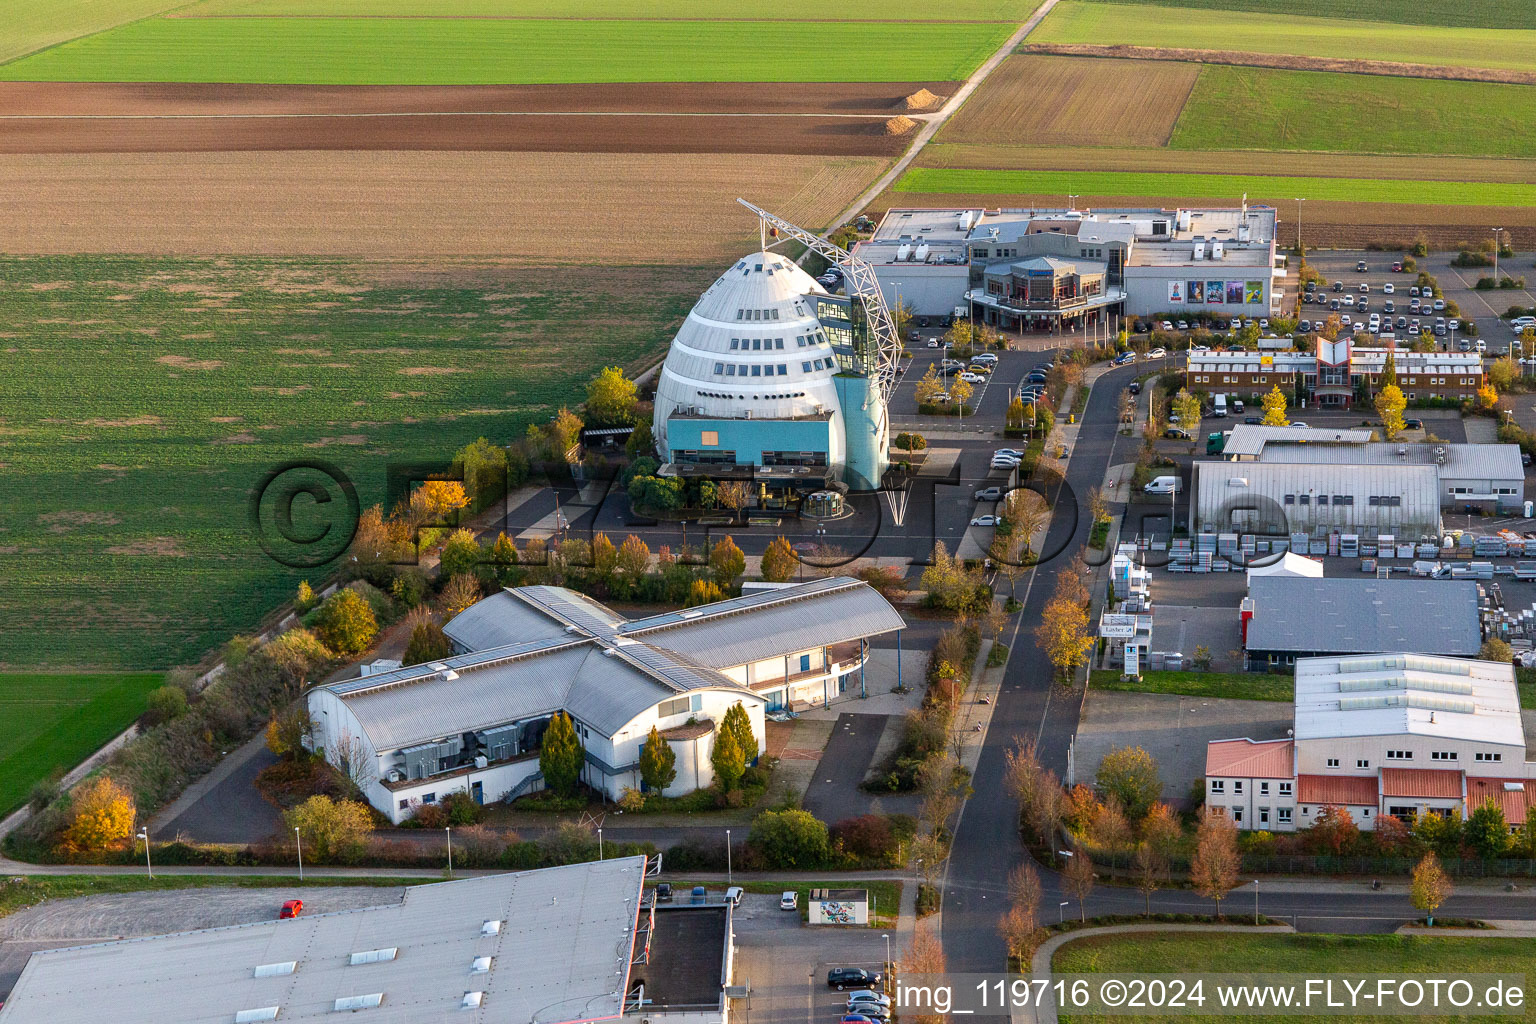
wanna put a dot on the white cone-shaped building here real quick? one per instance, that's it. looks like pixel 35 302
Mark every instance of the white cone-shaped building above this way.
pixel 749 379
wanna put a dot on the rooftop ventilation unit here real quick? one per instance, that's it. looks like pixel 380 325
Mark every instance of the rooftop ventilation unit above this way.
pixel 373 956
pixel 481 964
pixel 491 928
pixel 260 1013
pixel 472 1000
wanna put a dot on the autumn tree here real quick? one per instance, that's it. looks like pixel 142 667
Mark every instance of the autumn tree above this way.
pixel 1487 397
pixel 1021 923
pixel 437 502
pixel 727 759
pixel 1077 880
pixel 1486 830
pixel 428 643
pixel 779 561
pixel 1160 829
pixel 346 623
pixel 611 397
pixel 726 562
pixel 1430 886
pixel 703 592
pixel 1388 375
pixel 287 730
pixel 331 830
pixel 1151 873
pixel 305 599
pixel 960 391
pixel 739 724
pixel 461 553
pixel 733 495
pixel 658 762
pixel 1187 407
pixel 502 560
pixel 1274 408
pixel 633 559
pixel 930 386
pixel 1130 775
pixel 1390 404
pixel 462 591
pixel 1494 649
pixel 1063 636
pixel 101 814
pixel 924 957
pixel 561 756
pixel 1333 831
pixel 1213 870
pixel 1026 513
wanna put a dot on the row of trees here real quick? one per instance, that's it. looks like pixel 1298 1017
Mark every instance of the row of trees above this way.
pixel 1064 633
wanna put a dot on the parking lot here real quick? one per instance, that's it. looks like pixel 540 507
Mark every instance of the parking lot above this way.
pixel 786 962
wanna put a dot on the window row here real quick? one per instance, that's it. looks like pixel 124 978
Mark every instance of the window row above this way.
pixel 757 314
pixel 1284 815
pixel 757 369
pixel 1220 786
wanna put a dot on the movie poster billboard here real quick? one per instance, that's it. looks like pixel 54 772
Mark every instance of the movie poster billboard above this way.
pixel 1235 292
pixel 1196 291
pixel 1214 292
pixel 1253 293
pixel 1176 292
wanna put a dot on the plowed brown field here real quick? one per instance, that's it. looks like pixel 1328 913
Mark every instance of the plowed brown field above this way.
pixel 545 207
pixel 1054 101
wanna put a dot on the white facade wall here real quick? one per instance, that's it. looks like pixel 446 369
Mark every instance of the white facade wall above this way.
pixel 1312 756
pixel 1148 288
pixel 927 289
pixel 1254 803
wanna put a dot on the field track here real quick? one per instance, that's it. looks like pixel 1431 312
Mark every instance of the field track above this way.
pixel 1396 69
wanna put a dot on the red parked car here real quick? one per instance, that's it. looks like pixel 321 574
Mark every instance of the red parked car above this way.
pixel 293 908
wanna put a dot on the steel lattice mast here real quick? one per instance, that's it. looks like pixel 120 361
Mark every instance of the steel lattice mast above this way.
pixel 859 280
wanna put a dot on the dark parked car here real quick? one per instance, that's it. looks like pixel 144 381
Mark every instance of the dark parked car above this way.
pixel 1413 424
pixel 1178 434
pixel 852 977
pixel 663 892
pixel 1338 286
pixel 1252 421
pixel 1134 387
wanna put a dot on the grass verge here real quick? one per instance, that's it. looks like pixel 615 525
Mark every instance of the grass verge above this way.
pixel 1224 685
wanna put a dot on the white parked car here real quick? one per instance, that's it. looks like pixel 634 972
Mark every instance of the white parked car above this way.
pixel 790 900
pixel 987 520
pixel 1012 453
pixel 990 358
pixel 1157 353
pixel 1166 325
pixel 973 378
pixel 1388 289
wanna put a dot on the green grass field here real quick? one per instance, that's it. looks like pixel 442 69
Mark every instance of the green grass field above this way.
pixel 1260 188
pixel 1258 108
pixel 53 722
pixel 142 400
pixel 1465 13
pixel 1102 23
pixel 793 10
pixel 1304 955
pixel 448 51
pixel 1226 685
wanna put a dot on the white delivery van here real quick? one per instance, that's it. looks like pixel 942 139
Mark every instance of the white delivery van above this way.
pixel 1220 407
pixel 1162 485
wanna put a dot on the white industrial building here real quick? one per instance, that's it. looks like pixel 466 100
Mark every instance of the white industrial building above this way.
pixel 561 945
pixel 1398 734
pixel 1153 261
pixel 474 722
pixel 1290 480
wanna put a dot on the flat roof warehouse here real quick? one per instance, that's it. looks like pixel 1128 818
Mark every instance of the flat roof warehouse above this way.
pixel 551 946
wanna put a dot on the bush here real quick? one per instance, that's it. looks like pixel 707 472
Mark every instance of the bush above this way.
pixel 462 809
pixel 869 839
pixel 346 623
pixel 928 899
pixel 164 705
pixel 790 840
pixel 101 815
pixel 428 643
pixel 331 830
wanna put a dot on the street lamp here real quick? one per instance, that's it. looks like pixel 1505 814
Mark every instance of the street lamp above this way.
pixel 299 845
pixel 1255 901
pixel 1072 202
pixel 888 965
pixel 144 835
pixel 448 835
pixel 1498 235
pixel 728 878
pixel 1061 912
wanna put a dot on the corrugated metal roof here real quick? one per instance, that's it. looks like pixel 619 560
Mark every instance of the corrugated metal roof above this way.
pixel 1405 694
pixel 1250 439
pixel 1426 783
pixel 1513 796
pixel 499 620
pixel 1360 616
pixel 1224 490
pixel 1463 461
pixel 1251 759
pixel 562 954
pixel 1337 790
pixel 772 623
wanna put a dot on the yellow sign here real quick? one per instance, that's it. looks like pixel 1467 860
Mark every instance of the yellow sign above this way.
pixel 1266 360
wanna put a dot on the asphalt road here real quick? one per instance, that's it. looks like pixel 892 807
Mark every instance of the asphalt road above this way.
pixel 1031 705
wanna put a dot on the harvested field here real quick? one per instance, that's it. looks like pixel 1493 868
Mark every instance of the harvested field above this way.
pixel 1075 21
pixel 385 204
pixel 467 51
pixel 1258 108
pixel 1289 62
pixel 70 98
pixel 30 25
pixel 1326 165
pixel 1066 100
pixel 588 133
pixel 1329 224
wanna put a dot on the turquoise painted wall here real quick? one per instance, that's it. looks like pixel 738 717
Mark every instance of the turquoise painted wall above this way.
pixel 750 438
pixel 866 432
